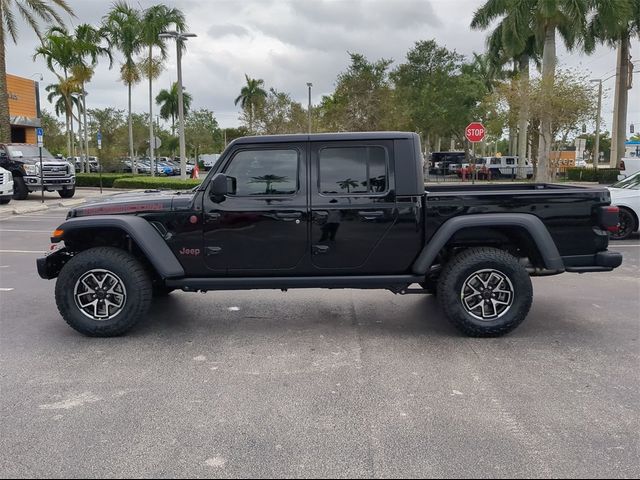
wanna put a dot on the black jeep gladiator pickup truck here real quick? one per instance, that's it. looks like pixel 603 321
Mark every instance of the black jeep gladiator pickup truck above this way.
pixel 344 210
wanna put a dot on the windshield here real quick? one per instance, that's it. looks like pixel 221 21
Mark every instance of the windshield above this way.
pixel 632 182
pixel 26 151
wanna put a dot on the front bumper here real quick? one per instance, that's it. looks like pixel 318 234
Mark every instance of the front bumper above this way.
pixel 600 262
pixel 6 190
pixel 50 265
pixel 50 183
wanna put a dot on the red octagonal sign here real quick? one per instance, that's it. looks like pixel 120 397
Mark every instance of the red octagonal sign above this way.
pixel 474 132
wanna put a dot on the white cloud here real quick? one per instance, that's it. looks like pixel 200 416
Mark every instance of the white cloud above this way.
pixel 291 42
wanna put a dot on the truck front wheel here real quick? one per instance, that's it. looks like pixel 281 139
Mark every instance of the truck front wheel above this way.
pixel 67 192
pixel 485 292
pixel 103 292
pixel 20 190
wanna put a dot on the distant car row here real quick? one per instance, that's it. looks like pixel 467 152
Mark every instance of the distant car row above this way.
pixel 454 163
pixel 163 165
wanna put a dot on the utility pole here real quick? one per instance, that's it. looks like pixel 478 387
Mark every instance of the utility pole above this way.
pixel 596 148
pixel 309 112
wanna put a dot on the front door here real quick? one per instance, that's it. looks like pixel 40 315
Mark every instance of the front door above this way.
pixel 352 204
pixel 263 226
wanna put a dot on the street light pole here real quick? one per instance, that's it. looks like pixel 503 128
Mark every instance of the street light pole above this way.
pixel 309 84
pixel 596 148
pixel 180 38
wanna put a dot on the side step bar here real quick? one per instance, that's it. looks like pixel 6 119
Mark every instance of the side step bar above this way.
pixel 392 282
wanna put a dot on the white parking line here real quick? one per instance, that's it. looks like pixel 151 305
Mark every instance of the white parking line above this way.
pixel 23 231
pixel 613 247
pixel 41 252
pixel 5 289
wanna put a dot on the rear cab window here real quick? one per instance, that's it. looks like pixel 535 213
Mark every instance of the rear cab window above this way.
pixel 346 170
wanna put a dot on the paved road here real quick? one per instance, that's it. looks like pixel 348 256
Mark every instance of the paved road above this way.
pixel 318 383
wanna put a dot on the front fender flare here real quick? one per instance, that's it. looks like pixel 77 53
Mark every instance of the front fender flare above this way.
pixel 532 224
pixel 146 237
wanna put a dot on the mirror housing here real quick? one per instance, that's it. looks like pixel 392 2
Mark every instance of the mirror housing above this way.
pixel 221 186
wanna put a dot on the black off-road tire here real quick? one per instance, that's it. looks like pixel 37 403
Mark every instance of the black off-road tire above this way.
pixel 130 271
pixel 20 190
pixel 461 268
pixel 67 193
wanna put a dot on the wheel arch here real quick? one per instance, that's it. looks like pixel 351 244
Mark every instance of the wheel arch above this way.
pixel 150 245
pixel 531 234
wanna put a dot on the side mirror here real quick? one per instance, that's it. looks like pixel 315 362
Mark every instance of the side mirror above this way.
pixel 221 186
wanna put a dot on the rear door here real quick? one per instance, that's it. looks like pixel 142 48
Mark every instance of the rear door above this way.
pixel 352 203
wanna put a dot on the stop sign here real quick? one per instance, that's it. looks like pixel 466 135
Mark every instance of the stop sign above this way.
pixel 474 132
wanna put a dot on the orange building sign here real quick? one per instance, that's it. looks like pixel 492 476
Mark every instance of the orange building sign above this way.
pixel 24 108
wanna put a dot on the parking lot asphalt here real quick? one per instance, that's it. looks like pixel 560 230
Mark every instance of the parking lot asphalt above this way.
pixel 318 383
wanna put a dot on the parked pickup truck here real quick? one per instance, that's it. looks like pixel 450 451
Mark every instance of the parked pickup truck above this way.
pixel 23 161
pixel 344 210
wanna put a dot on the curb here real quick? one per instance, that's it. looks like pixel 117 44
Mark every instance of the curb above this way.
pixel 70 203
pixel 29 209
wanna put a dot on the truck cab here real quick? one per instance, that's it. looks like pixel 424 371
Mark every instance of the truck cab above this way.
pixel 23 161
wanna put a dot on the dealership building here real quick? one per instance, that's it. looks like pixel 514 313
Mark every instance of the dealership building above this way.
pixel 24 108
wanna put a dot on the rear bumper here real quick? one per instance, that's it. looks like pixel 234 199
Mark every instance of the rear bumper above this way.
pixel 600 262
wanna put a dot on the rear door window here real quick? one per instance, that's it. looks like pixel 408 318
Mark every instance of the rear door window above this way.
pixel 353 170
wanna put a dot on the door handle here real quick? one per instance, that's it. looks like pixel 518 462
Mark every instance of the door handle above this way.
pixel 213 216
pixel 321 214
pixel 213 251
pixel 371 215
pixel 288 215
pixel 320 249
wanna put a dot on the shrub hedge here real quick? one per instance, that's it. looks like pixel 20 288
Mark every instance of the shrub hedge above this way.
pixel 93 179
pixel 600 175
pixel 155 182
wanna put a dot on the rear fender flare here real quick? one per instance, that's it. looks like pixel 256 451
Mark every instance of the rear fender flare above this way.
pixel 532 224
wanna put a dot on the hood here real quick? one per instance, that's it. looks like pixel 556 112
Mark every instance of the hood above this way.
pixel 136 202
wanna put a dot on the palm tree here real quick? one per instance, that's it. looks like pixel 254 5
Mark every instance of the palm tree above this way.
pixel 88 47
pixel 615 27
pixel 347 184
pixel 155 20
pixel 513 41
pixel 123 27
pixel 268 180
pixel 250 95
pixel 168 101
pixel 63 94
pixel 31 11
pixel 545 18
pixel 58 50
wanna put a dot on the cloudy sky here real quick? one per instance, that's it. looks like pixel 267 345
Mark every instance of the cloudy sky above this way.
pixel 291 42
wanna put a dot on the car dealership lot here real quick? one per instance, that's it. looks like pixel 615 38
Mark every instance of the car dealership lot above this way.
pixel 317 382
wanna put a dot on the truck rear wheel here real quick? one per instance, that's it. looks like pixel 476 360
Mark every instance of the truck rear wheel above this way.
pixel 103 292
pixel 20 190
pixel 485 292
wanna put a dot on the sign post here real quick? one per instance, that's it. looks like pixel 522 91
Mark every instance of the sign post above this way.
pixel 99 138
pixel 475 133
pixel 40 135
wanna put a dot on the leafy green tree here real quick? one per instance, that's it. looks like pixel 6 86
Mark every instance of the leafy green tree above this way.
pixel 279 114
pixel 201 132
pixel 55 137
pixel 421 84
pixel 363 98
pixel 251 95
pixel 123 27
pixel 168 101
pixel 32 11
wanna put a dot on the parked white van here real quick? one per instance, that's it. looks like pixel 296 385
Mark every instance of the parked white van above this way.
pixel 506 166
